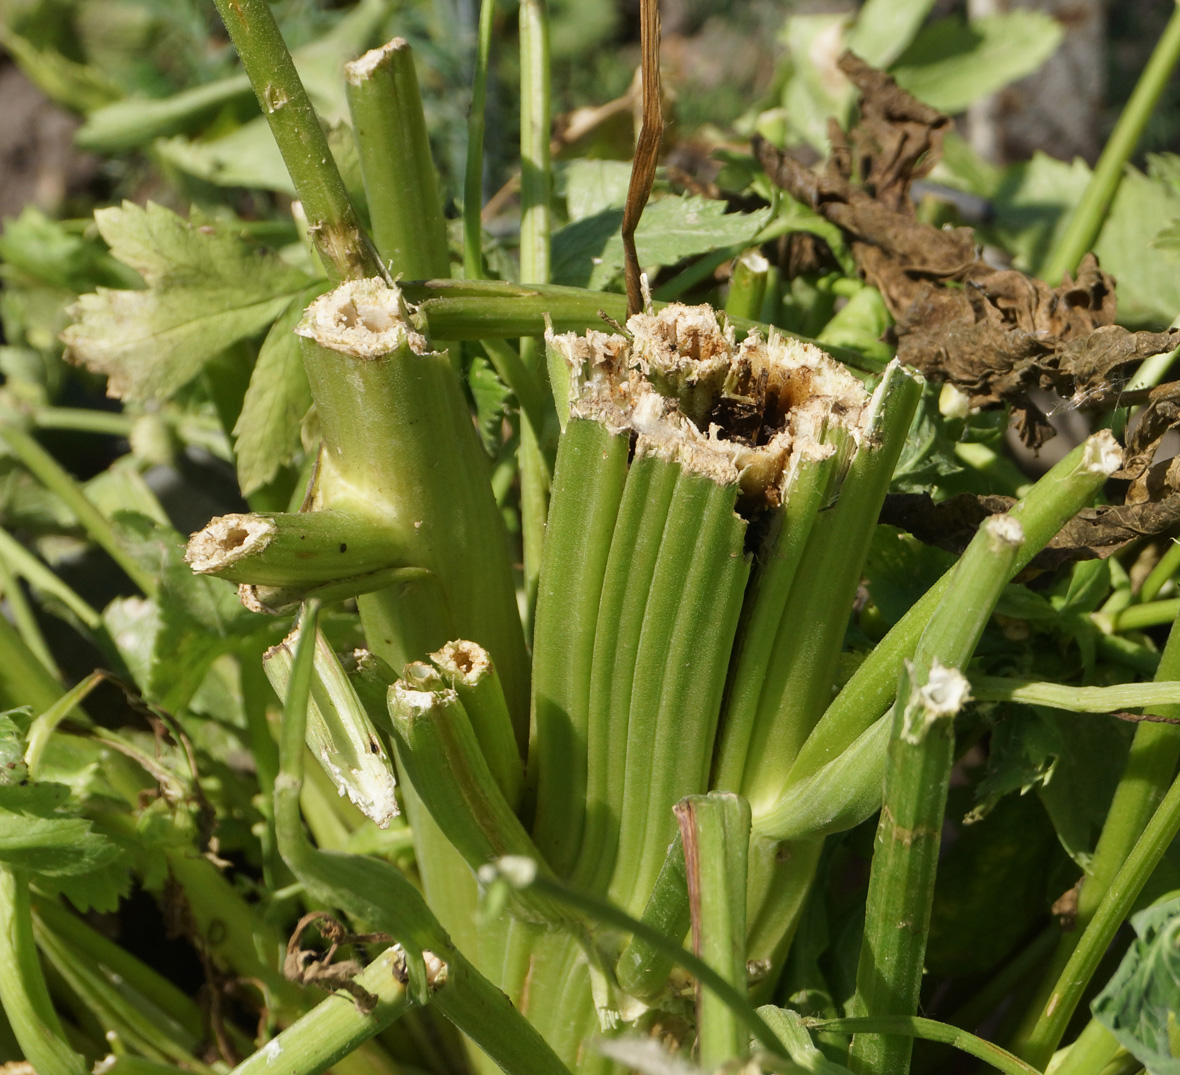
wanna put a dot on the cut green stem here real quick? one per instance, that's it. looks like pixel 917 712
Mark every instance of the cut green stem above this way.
pixel 1055 499
pixel 917 776
pixel 333 224
pixel 715 831
pixel 401 184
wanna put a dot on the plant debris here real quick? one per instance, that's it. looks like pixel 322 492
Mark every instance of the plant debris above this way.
pixel 309 966
pixel 996 334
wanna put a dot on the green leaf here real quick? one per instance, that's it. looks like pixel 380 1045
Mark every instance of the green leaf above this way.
pixel 951 64
pixel 815 89
pixel 246 157
pixel 589 252
pixel 207 289
pixel 36 834
pixel 884 28
pixel 929 452
pixel 593 185
pixel 279 396
pixel 1074 766
pixel 991 887
pixel 1140 1003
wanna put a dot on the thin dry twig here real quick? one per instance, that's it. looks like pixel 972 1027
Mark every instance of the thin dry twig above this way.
pixel 647 150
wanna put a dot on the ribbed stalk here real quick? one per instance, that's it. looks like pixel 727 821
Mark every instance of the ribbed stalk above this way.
pixel 1053 501
pixel 813 622
pixel 333 225
pixel 497 309
pixel 715 830
pixel 921 753
pixel 340 733
pixel 535 220
pixel 401 184
pixel 473 173
pixel 587 487
pixel 627 582
pixel 766 599
pixel 688 627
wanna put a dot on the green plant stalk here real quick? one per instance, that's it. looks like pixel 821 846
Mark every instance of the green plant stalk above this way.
pixel 1136 617
pixel 530 392
pixel 912 1026
pixel 23 993
pixel 917 776
pixel 282 599
pixel 685 641
pixel 1053 1019
pixel 47 720
pixel 635 545
pixel 812 625
pixel 400 448
pixel 469 671
pixel 132 1016
pixel 747 286
pixel 1168 565
pixel 380 897
pixel 1090 1054
pixel 333 224
pixel 401 184
pixel 1151 765
pixel 50 917
pixel 1055 499
pixel 24 620
pixel 24 680
pixel 1089 215
pixel 497 309
pixel 1163 692
pixel 642 970
pixel 439 753
pixel 297 549
pixel 587 488
pixel 607 913
pixel 336 1026
pixel 42 578
pixel 49 473
pixel 715 831
pixel 473 267
pixel 536 184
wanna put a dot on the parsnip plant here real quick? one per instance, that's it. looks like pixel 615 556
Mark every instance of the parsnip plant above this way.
pixel 596 675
